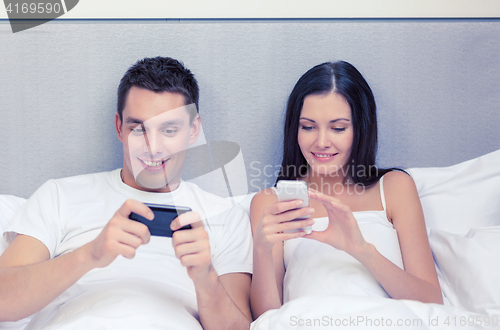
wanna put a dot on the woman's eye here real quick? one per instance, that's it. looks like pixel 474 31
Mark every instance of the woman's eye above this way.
pixel 339 129
pixel 307 128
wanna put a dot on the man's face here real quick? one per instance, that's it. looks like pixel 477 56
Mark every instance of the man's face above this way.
pixel 155 132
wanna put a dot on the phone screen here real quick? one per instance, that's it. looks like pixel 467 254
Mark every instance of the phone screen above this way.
pixel 164 215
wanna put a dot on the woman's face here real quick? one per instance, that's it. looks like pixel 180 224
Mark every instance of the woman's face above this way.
pixel 325 133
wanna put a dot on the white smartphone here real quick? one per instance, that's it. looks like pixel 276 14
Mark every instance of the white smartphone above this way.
pixel 288 190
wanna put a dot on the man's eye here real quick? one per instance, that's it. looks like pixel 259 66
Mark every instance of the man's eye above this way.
pixel 170 131
pixel 138 130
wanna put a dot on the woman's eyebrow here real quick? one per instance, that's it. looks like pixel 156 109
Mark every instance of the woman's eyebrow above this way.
pixel 331 121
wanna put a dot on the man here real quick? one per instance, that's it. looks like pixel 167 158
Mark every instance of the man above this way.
pixel 79 261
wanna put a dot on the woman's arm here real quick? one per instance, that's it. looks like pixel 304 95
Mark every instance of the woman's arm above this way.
pixel 405 211
pixel 269 219
pixel 418 281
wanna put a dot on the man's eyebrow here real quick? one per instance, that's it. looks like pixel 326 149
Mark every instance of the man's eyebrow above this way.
pixel 172 122
pixel 331 121
pixel 131 120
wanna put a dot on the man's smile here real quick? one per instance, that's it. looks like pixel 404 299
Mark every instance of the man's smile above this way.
pixel 153 165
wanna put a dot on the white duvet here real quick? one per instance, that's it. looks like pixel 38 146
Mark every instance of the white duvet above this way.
pixel 347 312
pixel 468 271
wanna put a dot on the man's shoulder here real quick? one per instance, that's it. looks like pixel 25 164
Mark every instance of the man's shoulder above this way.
pixel 205 195
pixel 85 178
pixel 214 205
pixel 82 181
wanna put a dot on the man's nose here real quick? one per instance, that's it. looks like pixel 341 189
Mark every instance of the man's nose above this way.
pixel 153 142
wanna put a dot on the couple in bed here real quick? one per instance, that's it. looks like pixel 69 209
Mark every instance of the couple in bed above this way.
pixel 74 260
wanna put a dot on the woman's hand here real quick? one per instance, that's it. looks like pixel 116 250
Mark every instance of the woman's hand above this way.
pixel 276 221
pixel 343 231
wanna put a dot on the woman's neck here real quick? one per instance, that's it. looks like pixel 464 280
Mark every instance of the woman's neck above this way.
pixel 327 184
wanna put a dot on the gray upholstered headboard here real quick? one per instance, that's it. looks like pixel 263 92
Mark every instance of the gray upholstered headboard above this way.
pixel 436 82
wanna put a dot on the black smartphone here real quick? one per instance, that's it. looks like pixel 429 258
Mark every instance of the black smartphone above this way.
pixel 164 215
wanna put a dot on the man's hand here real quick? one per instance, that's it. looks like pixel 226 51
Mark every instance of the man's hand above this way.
pixel 192 246
pixel 121 236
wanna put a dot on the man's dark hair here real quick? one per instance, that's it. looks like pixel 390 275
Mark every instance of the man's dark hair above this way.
pixel 159 74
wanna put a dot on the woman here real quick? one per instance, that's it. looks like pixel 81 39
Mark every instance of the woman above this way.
pixel 375 241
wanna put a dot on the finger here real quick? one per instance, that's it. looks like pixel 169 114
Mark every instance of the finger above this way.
pixel 337 207
pixel 193 260
pixel 116 248
pixel 129 239
pixel 294 224
pixel 295 214
pixel 191 248
pixel 127 251
pixel 281 207
pixel 137 229
pixel 188 236
pixel 328 201
pixel 318 236
pixel 189 218
pixel 185 249
pixel 287 236
pixel 134 206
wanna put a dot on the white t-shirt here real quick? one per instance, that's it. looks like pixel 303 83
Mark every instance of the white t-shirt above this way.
pixel 150 291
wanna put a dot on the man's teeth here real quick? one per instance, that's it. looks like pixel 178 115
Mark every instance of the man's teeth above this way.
pixel 148 163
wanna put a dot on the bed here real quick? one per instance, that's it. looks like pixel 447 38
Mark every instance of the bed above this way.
pixel 464 242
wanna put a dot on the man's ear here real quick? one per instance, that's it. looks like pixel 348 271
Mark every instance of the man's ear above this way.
pixel 118 127
pixel 195 129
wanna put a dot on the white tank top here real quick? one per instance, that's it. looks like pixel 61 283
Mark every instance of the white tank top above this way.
pixel 314 268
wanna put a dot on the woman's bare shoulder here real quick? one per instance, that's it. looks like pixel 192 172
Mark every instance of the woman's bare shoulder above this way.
pixel 401 197
pixel 260 201
pixel 264 197
pixel 397 182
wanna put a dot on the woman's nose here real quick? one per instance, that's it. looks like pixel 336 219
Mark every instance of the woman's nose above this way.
pixel 323 140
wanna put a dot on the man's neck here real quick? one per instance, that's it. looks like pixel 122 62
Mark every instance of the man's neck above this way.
pixel 169 187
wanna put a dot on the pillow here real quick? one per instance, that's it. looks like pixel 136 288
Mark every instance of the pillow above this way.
pixel 461 197
pixel 9 206
pixel 470 268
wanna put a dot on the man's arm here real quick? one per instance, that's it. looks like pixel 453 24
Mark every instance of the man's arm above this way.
pixel 29 280
pixel 223 302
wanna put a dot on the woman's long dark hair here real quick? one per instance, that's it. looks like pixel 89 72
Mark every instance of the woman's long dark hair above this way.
pixel 344 79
